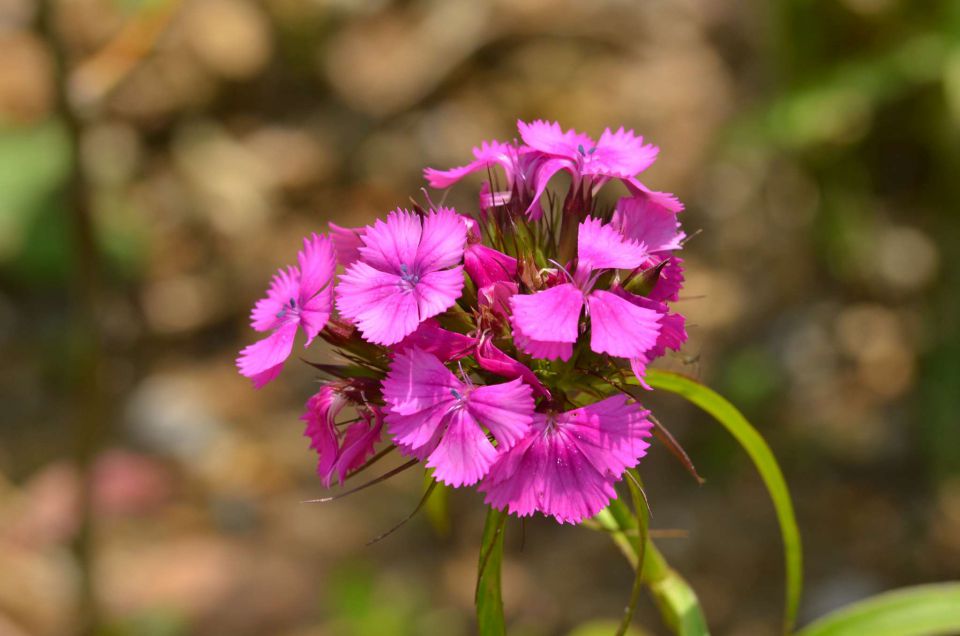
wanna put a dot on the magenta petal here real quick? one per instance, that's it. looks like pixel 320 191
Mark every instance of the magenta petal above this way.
pixel 382 306
pixel 492 359
pixel 621 153
pixel 488 154
pixel 611 433
pixel 573 491
pixel 441 241
pixel 541 177
pixel 317 264
pixel 601 246
pixel 652 225
pixel 358 444
pixel 567 465
pixel 551 315
pixel 542 350
pixel 464 454
pixel 319 414
pixel 505 409
pixel 265 356
pixel 346 242
pixel 389 245
pixel 515 480
pixel 620 328
pixel 419 392
pixel 487 266
pixel 668 285
pixel 497 297
pixel 445 345
pixel 663 199
pixel 438 291
pixel 315 313
pixel 550 138
pixel 269 312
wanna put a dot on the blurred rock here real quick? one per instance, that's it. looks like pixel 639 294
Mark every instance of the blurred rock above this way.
pixel 231 38
pixel 26 89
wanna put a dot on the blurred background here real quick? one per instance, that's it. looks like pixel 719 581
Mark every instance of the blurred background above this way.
pixel 160 158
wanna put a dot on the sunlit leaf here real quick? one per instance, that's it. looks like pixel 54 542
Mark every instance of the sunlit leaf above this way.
pixel 924 610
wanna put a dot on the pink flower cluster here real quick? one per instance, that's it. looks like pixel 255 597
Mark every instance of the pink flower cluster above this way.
pixel 494 346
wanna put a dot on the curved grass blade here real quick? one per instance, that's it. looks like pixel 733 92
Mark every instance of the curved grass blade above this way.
pixel 766 464
pixel 489 599
pixel 924 610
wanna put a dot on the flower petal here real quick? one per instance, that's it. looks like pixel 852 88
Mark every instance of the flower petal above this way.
pixel 445 345
pixel 620 153
pixel 643 220
pixel 543 350
pixel 317 264
pixel 418 392
pixel 261 360
pixel 552 315
pixel 620 328
pixel 441 241
pixel 319 414
pixel 602 246
pixel 391 244
pixel 505 409
pixel 669 282
pixel 550 138
pixel 346 242
pixel 358 444
pixel 489 153
pixel 487 266
pixel 492 359
pixel 380 304
pixel 269 312
pixel 438 291
pixel 464 454
pixel 611 433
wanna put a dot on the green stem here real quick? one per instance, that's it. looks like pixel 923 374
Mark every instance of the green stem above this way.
pixel 676 600
pixel 643 518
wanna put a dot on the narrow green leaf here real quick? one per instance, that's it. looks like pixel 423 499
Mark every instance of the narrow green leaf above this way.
pixel 438 508
pixel 766 464
pixel 488 597
pixel 924 610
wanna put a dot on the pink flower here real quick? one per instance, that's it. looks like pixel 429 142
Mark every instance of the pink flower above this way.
pixel 434 416
pixel 339 451
pixel 297 297
pixel 408 271
pixel 619 154
pixel 566 467
pixel 547 323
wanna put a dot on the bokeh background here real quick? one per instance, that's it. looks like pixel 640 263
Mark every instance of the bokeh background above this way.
pixel 160 158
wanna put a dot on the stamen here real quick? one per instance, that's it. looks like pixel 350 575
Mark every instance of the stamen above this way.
pixel 456 394
pixel 580 148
